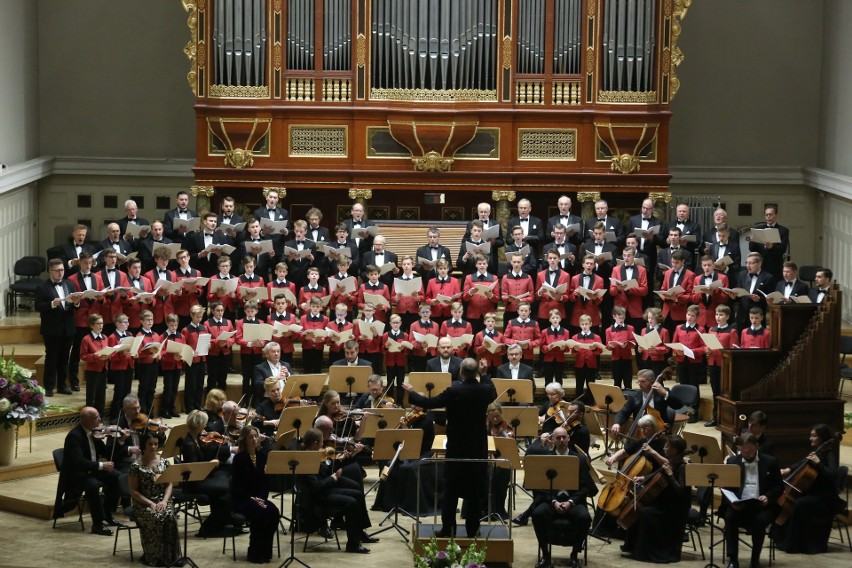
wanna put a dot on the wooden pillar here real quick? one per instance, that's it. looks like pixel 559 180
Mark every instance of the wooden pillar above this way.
pixel 501 201
pixel 202 195
pixel 587 204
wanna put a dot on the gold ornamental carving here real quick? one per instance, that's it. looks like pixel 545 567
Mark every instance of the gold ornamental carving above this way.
pixel 664 196
pixel 678 14
pixel 239 91
pixel 239 137
pixel 433 96
pixel 308 141
pixel 190 49
pixel 276 56
pixel 547 143
pixel 361 51
pixel 202 190
pixel 432 161
pixel 588 196
pixel 282 191
pixel 503 195
pixel 360 194
pixel 507 52
pixel 277 5
pixel 635 97
pixel 625 164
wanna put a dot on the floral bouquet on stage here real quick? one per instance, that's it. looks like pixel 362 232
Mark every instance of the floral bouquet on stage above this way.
pixel 452 557
pixel 21 397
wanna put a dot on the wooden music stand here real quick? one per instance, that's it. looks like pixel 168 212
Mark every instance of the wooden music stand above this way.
pixel 298 418
pixel 348 380
pixel 305 386
pixel 285 439
pixel 373 423
pixel 439 444
pixel 708 449
pixel 294 463
pixel 402 444
pixel 182 474
pixel 608 399
pixel 170 448
pixel 430 383
pixel 712 475
pixel 507 448
pixel 522 419
pixel 514 391
pixel 549 473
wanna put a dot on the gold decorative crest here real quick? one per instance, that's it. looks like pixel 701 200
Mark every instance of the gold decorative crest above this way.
pixel 432 162
pixel 360 194
pixel 588 196
pixel 239 91
pixel 680 9
pixel 507 52
pixel 203 190
pixel 190 48
pixel 503 195
pixel 625 164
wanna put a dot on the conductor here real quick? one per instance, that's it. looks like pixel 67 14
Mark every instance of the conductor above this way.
pixel 466 402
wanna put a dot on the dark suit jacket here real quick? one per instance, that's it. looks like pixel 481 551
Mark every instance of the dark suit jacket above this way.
pixel 466 403
pixel 365 245
pixel 530 265
pixel 369 257
pixel 524 372
pixel 281 214
pixel 612 224
pixel 124 246
pixel 535 230
pixel 651 245
pixel 327 266
pixel 586 489
pixel 634 403
pixel 664 256
pixel 360 363
pixel 77 458
pixel 773 258
pixel 194 244
pixel 690 227
pixel 499 242
pixel 263 370
pixel 604 270
pixel 145 248
pixel 264 263
pixel 235 220
pixel 322 234
pixel 769 482
pixel 799 288
pixel 813 294
pixel 764 284
pixel 425 252
pixel 710 237
pixel 57 321
pixel 124 221
pixel 69 252
pixel 570 268
pixel 732 249
pixel 169 224
pixel 577 238
pixel 433 365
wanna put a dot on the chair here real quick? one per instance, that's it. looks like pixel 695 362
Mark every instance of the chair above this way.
pixel 66 499
pixel 808 273
pixel 841 520
pixel 237 520
pixel 694 521
pixel 689 397
pixel 845 370
pixel 30 268
pixel 130 514
pixel 561 533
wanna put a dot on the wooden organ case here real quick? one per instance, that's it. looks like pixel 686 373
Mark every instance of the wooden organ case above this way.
pixel 794 382
pixel 449 95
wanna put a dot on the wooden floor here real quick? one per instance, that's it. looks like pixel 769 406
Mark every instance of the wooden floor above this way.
pixel 27 491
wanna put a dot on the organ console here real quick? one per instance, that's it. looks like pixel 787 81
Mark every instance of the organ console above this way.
pixel 537 95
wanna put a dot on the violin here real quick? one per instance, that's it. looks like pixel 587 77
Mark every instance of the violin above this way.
pixel 801 479
pixel 411 418
pixel 112 431
pixel 213 438
pixel 142 422
pixel 501 430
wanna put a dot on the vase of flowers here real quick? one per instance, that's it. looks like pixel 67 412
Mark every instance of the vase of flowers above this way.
pixel 453 556
pixel 21 399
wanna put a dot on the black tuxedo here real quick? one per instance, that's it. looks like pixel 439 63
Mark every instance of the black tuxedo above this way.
pixel 764 284
pixel 322 235
pixel 813 294
pixel 524 372
pixel 57 330
pixel 145 249
pixel 535 230
pixel 194 243
pixel 81 473
pixel 467 438
pixel 570 267
pixel 711 237
pixel 773 258
pixel 364 245
pixel 235 220
pixel 124 221
pixel 124 248
pixel 634 401
pixel 433 365
pixel 690 227
pixel 426 252
pixel 530 265
pixel 262 371
pixel 651 245
pixel 69 252
pixel 604 270
pixel 612 225
pixel 369 257
pixel 799 288
pixel 328 266
pixel 298 269
pixel 264 264
pixel 664 256
pixel 169 224
pixel 281 214
pixel 732 249
pixel 499 242
pixel 577 238
pixel 751 514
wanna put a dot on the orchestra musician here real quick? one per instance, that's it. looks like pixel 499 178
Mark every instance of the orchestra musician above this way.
pixel 250 495
pixel 757 422
pixel 635 403
pixel 330 490
pixel 757 495
pixel 812 512
pixel 213 405
pixel 550 505
pixel 500 477
pixel 548 414
pixel 647 437
pixel 271 366
pixel 657 534
pixel 375 396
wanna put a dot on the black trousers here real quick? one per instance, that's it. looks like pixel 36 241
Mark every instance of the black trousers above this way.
pixel 464 481
pixel 56 351
pixel 90 484
pixel 96 389
pixel 217 374
pixel 543 516
pixel 146 374
pixel 194 386
pixel 122 382
pixel 753 516
pixel 622 373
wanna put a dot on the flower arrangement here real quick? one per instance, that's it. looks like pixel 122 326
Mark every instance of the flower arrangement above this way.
pixel 21 397
pixel 452 557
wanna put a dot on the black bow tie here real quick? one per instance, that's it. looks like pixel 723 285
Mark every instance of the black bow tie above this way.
pixel 218 323
pixel 525 220
pixel 489 333
pixel 89 275
pixel 280 317
pixel 182 211
pixel 226 217
pixel 356 223
pixel 618 327
pixel 225 278
pixel 789 285
pixel 316 318
pixel 481 277
pixel 585 335
pixel 270 210
pixel 247 320
pixel 147 333
pixel 442 280
pixel 688 328
pixel 517 276
pixel 457 324
pixel 99 337
pixel 553 272
pixel 427 323
pixel 110 270
pixel 752 331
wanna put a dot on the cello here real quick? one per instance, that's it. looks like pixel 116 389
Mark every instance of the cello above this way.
pixel 800 480
pixel 615 496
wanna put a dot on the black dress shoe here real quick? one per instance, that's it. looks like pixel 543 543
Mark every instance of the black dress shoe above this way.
pixel 65 391
pixel 710 423
pixel 521 520
pixel 101 530
pixel 48 392
pixel 75 388
pixel 368 539
pixel 445 533
pixel 325 533
pixel 544 562
pixel 733 564
pixel 357 549
pixel 114 523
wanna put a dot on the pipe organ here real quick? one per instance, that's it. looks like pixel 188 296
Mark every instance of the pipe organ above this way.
pixel 528 95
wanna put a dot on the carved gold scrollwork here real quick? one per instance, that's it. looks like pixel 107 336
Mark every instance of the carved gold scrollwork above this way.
pixel 190 50
pixel 202 190
pixel 588 196
pixel 432 161
pixel 664 196
pixel 361 51
pixel 360 194
pixel 239 137
pixel 503 195
pixel 679 13
pixel 282 191
pixel 625 164
pixel 507 52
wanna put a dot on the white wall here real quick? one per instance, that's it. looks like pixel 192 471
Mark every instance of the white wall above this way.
pixel 18 216
pixel 835 147
pixel 18 81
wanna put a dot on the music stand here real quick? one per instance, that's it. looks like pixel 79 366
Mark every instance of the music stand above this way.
pixel 351 380
pixel 429 383
pixel 522 419
pixel 712 476
pixel 552 472
pixel 285 439
pixel 610 398
pixel 170 448
pixel 514 391
pixel 384 418
pixel 307 386
pixel 507 448
pixel 296 463
pixel 439 444
pixel 706 447
pixel 182 474
pixel 394 445
pixel 298 418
